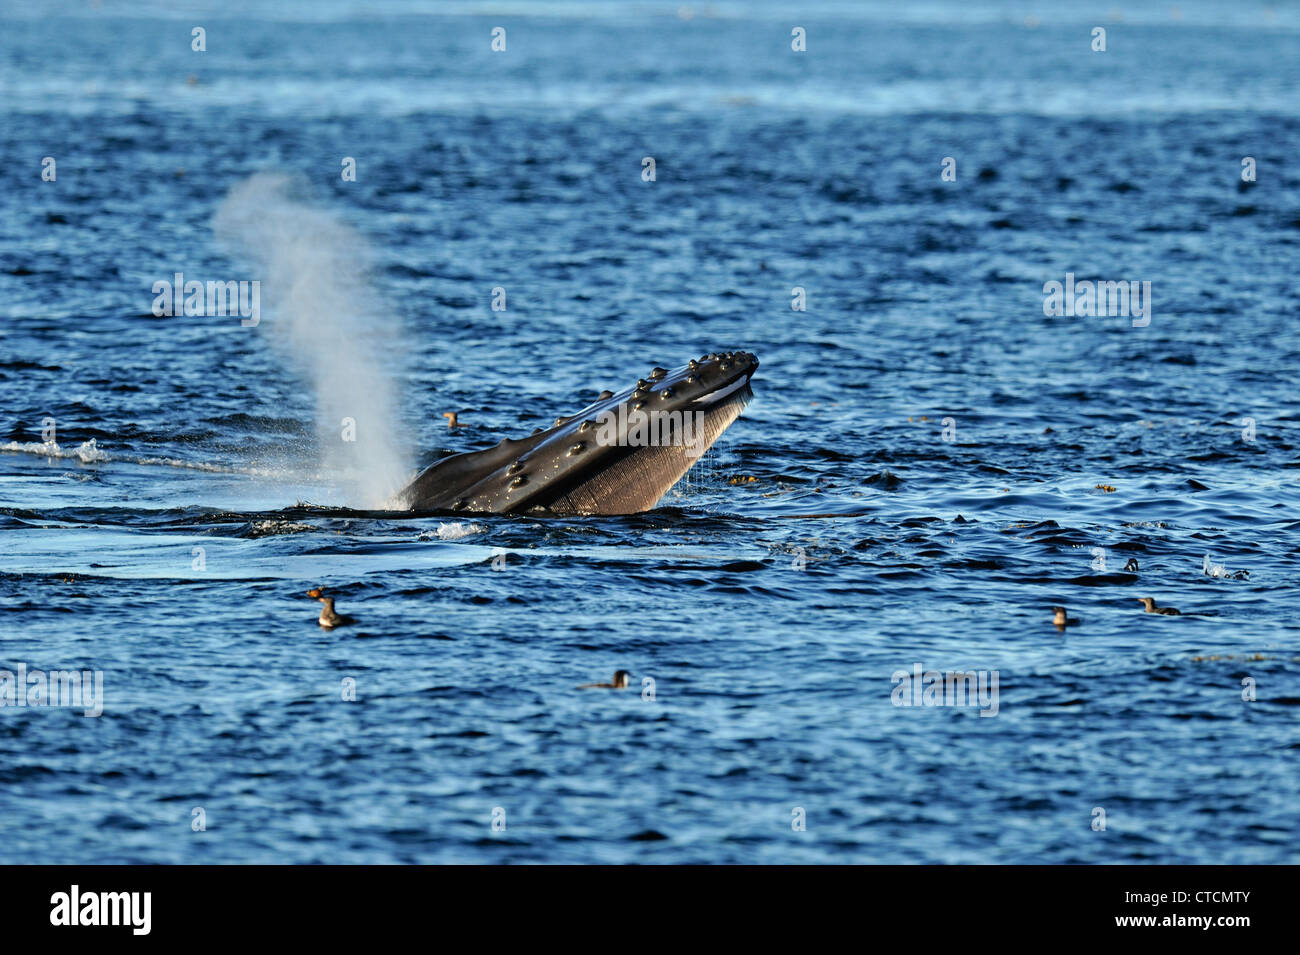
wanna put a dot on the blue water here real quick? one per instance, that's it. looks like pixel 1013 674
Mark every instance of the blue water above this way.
pixel 772 684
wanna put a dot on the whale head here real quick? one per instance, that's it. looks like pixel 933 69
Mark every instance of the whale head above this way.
pixel 618 455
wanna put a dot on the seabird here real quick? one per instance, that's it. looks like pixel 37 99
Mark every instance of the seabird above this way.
pixel 1150 604
pixel 619 683
pixel 328 618
pixel 1061 620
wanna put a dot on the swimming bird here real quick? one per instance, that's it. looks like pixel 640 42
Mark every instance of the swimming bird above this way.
pixel 620 682
pixel 1061 620
pixel 328 618
pixel 1131 566
pixel 1150 604
pixel 452 421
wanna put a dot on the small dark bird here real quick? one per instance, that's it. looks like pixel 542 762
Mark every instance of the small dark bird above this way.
pixel 328 618
pixel 1131 566
pixel 1061 620
pixel 1150 604
pixel 620 682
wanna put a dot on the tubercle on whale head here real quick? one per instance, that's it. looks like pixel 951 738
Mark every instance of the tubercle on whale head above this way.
pixel 711 378
pixel 699 385
pixel 699 380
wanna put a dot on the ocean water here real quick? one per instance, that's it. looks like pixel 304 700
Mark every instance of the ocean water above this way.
pixel 929 465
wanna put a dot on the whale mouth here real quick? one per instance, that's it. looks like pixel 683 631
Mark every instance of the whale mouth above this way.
pixel 724 391
pixel 637 477
pixel 702 400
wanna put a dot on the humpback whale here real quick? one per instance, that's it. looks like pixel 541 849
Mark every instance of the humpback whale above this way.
pixel 618 455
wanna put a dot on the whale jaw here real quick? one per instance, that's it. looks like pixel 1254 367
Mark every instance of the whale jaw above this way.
pixel 638 481
pixel 619 455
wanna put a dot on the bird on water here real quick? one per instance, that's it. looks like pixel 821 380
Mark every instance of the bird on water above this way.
pixel 329 619
pixel 1061 621
pixel 1150 604
pixel 619 682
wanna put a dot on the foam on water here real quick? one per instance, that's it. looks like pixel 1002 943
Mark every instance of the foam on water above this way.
pixel 89 452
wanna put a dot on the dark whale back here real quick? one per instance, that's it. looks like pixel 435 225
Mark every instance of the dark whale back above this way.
pixel 443 483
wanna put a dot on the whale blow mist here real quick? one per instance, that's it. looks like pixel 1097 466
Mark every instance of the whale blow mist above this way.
pixel 312 267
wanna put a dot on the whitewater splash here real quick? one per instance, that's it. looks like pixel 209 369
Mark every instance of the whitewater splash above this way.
pixel 88 452
pixel 322 313
pixel 453 531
